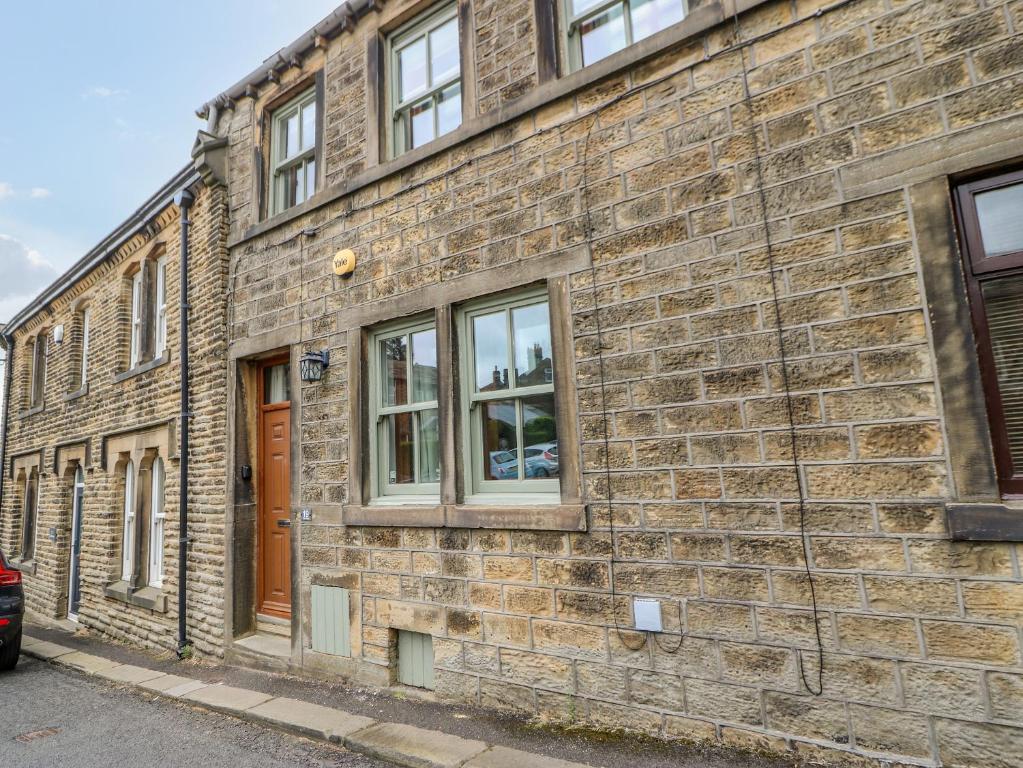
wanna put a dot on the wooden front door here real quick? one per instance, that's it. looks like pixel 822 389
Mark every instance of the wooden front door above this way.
pixel 274 499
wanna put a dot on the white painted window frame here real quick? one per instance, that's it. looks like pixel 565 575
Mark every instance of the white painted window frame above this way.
pixel 128 531
pixel 157 517
pixel 137 303
pixel 161 306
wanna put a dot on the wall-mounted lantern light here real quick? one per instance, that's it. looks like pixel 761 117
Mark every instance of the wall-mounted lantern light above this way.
pixel 311 365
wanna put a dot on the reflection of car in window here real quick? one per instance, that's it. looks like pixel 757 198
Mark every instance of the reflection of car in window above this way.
pixel 542 460
pixel 504 465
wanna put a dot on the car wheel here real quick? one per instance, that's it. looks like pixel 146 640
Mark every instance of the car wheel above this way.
pixel 9 654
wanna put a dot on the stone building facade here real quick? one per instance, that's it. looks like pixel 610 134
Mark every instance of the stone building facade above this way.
pixel 743 227
pixel 93 436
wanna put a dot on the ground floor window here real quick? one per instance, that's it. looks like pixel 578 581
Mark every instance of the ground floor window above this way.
pixel 991 225
pixel 29 515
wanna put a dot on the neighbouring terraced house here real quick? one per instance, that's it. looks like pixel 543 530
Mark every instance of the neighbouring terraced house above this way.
pixel 642 364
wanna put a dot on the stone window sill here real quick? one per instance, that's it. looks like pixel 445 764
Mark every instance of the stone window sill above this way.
pixel 986 521
pixel 80 392
pixel 25 566
pixel 552 517
pixel 141 368
pixel 32 411
pixel 147 597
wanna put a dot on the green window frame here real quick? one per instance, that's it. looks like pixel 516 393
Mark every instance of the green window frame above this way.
pixel 432 106
pixel 610 26
pixel 293 164
pixel 521 395
pixel 405 435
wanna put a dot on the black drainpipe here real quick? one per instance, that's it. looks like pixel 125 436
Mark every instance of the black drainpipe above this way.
pixel 184 201
pixel 9 344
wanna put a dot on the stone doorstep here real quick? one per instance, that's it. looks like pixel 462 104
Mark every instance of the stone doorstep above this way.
pixel 396 743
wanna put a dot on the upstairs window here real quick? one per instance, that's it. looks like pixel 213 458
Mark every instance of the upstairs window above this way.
pixel 137 308
pixel 161 306
pixel 82 373
pixel 598 28
pixel 293 153
pixel 992 230
pixel 425 79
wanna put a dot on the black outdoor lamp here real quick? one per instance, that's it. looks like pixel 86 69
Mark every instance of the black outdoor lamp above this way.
pixel 311 365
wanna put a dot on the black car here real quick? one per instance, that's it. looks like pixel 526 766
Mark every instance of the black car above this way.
pixel 12 608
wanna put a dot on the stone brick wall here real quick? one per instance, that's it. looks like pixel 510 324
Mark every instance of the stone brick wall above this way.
pixel 659 161
pixel 150 400
pixel 505 41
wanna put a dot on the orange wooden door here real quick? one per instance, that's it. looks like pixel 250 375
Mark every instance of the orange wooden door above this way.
pixel 274 504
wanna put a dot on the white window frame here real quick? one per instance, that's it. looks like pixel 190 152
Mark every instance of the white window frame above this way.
pixel 383 491
pixel 305 158
pixel 574 22
pixel 84 372
pixel 161 306
pixel 479 490
pixel 135 356
pixel 398 111
pixel 128 530
pixel 157 517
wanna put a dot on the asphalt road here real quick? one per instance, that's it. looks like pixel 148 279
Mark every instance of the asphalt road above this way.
pixel 51 717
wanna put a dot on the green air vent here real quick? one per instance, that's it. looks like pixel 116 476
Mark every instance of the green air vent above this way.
pixel 331 624
pixel 415 659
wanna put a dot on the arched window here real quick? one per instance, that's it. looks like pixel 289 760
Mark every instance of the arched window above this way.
pixel 128 539
pixel 156 528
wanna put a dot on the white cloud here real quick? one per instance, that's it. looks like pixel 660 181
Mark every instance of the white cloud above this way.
pixel 6 190
pixel 39 193
pixel 103 92
pixel 23 274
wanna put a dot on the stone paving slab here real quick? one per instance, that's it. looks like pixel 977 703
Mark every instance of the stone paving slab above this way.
pixel 413 747
pixel 129 673
pixel 86 662
pixel 309 719
pixel 180 691
pixel 47 651
pixel 166 683
pixel 503 757
pixel 227 698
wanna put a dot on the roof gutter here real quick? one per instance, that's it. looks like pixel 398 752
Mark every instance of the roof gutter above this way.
pixel 156 203
pixel 269 71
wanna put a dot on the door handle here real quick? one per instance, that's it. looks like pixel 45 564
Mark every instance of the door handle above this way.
pixel 284 523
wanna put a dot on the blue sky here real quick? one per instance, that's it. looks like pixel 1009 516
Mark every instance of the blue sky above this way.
pixel 98 111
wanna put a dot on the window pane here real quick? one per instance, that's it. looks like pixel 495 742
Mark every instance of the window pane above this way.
pixel 310 178
pixel 421 119
pixel 289 142
pixel 444 52
pixel 424 366
pixel 412 69
pixel 540 436
pixel 276 384
pixel 1003 303
pixel 290 187
pixel 532 329
pixel 1000 212
pixel 449 109
pixel 603 35
pixel 490 341
pixel 500 445
pixel 649 16
pixel 581 6
pixel 394 354
pixel 429 446
pixel 400 448
pixel 309 126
